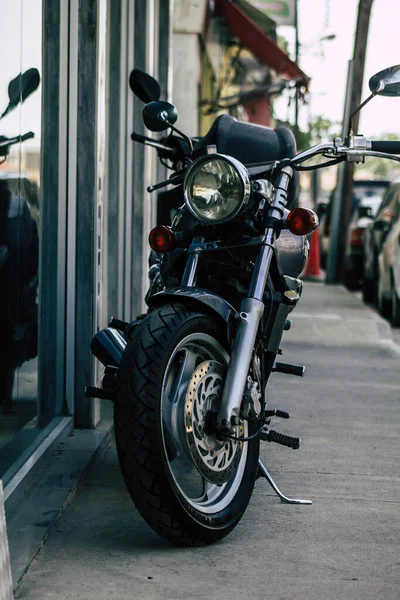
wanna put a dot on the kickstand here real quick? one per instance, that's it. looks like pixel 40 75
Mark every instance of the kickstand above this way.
pixel 264 473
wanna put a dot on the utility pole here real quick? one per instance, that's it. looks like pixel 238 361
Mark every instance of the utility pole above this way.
pixel 344 197
pixel 337 200
pixel 296 59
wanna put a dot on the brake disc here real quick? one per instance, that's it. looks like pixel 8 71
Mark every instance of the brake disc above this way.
pixel 216 458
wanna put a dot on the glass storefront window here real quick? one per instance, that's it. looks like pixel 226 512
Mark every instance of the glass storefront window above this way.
pixel 21 35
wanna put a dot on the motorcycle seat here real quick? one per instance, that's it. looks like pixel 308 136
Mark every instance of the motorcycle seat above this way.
pixel 247 142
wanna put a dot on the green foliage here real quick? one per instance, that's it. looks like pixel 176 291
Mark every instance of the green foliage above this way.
pixel 320 129
pixel 302 140
pixel 283 44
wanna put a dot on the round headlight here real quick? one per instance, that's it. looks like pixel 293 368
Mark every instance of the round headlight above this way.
pixel 216 188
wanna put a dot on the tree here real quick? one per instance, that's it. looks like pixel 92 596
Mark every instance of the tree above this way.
pixel 320 129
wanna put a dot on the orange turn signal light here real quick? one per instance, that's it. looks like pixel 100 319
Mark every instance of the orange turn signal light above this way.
pixel 302 221
pixel 162 239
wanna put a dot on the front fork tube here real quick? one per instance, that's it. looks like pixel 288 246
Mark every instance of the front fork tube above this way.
pixel 190 272
pixel 250 314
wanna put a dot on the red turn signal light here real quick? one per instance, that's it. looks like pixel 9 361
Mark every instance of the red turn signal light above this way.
pixel 302 221
pixel 162 239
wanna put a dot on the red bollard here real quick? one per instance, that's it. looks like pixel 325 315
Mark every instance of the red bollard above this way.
pixel 312 271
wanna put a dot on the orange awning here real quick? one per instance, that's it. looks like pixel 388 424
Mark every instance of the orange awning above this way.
pixel 260 44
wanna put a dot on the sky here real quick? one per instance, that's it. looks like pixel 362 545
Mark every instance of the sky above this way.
pixel 327 62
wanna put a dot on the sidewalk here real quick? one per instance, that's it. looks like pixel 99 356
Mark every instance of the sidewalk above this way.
pixel 346 409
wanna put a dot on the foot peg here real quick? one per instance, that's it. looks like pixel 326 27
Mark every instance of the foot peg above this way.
pixel 118 324
pixel 275 412
pixel 110 385
pixel 269 435
pixel 263 472
pixel 288 369
pixel 95 392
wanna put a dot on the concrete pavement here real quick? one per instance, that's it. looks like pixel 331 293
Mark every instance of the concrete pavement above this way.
pixel 346 409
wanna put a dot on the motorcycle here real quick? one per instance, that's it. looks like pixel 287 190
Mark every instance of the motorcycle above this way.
pixel 19 249
pixel 189 378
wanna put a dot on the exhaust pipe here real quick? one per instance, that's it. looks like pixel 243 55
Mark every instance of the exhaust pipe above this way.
pixel 108 346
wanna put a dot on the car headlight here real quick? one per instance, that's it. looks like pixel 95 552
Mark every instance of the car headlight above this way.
pixel 216 188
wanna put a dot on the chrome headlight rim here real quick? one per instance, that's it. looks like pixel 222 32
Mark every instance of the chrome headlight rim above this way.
pixel 244 179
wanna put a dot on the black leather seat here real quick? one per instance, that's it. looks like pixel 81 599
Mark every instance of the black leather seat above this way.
pixel 247 142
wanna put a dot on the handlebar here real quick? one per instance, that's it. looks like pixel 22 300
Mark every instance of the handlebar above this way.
pixel 173 148
pixel 147 141
pixel 6 142
pixel 26 136
pixel 353 150
pixel 391 147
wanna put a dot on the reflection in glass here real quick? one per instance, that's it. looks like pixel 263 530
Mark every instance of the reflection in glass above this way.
pixel 20 107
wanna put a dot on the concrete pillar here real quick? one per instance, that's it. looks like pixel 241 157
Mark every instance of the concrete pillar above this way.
pixel 186 61
pixel 188 24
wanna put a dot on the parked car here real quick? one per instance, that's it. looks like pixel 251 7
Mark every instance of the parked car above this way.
pixel 374 237
pixel 353 260
pixel 361 189
pixel 388 294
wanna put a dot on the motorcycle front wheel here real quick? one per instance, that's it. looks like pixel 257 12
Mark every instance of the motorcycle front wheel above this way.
pixel 189 484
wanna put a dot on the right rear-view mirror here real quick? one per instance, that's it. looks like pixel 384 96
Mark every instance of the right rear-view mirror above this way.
pixel 364 211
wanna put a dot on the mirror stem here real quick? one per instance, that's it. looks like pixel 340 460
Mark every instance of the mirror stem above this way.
pixel 353 114
pixel 380 87
pixel 185 137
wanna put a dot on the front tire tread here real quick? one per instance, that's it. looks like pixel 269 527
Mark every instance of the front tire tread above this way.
pixel 137 429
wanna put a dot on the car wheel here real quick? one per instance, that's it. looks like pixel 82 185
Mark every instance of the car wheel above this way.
pixel 351 280
pixel 395 316
pixel 383 304
pixel 368 288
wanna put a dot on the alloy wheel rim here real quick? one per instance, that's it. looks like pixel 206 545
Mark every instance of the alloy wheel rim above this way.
pixel 204 495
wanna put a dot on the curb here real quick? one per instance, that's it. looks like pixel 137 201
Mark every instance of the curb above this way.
pixel 33 517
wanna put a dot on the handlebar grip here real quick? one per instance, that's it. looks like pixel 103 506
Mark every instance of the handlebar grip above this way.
pixel 136 137
pixel 146 141
pixel 389 146
pixel 27 136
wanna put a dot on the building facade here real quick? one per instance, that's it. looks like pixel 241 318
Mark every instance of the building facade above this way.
pixel 75 210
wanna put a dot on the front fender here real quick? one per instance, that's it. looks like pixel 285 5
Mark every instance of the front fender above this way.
pixel 202 298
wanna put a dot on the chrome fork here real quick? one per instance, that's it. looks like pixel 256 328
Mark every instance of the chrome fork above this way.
pixel 250 314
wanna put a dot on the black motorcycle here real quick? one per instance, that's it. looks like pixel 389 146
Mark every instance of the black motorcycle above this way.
pixel 189 379
pixel 19 260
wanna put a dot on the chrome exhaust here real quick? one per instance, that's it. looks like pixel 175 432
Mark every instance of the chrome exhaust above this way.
pixel 108 346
